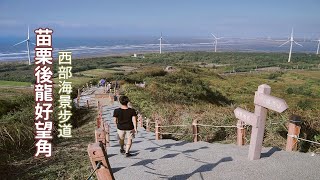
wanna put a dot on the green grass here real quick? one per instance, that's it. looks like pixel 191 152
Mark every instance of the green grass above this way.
pixel 14 83
pixel 69 159
pixel 206 93
pixel 177 98
pixel 96 72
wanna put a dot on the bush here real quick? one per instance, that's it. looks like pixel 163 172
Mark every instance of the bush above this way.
pixel 305 104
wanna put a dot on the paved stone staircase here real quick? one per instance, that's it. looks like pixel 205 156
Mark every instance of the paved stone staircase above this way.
pixel 169 159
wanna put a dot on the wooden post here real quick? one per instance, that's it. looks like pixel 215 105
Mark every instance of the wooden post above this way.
pixel 100 135
pixel 97 154
pixel 78 97
pixel 148 125
pixel 107 130
pixel 241 133
pixel 88 104
pixel 100 113
pixel 293 130
pixel 98 122
pixel 258 132
pixel 157 129
pixel 195 130
pixel 140 119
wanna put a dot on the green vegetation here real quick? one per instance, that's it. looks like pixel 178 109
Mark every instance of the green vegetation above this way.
pixel 14 83
pixel 201 87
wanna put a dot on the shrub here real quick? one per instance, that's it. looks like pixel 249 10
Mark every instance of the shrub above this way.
pixel 305 104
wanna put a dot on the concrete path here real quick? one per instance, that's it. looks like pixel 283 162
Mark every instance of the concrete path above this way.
pixel 169 159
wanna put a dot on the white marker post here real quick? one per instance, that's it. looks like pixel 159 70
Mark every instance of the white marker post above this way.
pixel 262 101
pixel 246 116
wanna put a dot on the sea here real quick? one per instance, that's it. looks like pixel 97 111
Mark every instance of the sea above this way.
pixel 82 47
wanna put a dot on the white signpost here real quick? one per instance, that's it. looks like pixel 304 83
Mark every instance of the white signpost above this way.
pixel 263 101
pixel 246 116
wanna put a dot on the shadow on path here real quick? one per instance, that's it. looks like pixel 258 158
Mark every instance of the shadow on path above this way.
pixel 203 168
pixel 270 152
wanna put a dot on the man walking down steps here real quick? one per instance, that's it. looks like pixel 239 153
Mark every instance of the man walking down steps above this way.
pixel 126 120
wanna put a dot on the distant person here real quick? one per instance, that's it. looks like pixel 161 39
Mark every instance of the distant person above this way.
pixel 109 87
pixel 126 120
pixel 116 85
pixel 102 82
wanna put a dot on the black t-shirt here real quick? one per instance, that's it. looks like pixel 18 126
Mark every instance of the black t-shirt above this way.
pixel 124 118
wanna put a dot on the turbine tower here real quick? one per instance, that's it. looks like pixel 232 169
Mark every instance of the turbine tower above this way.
pixel 215 43
pixel 28 45
pixel 160 43
pixel 291 40
pixel 318 46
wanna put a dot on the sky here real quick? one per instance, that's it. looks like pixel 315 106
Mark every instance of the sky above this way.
pixel 175 18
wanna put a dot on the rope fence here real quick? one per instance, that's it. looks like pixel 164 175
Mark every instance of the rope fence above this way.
pixel 182 125
pixel 242 127
pixel 205 125
pixel 168 133
pixel 301 139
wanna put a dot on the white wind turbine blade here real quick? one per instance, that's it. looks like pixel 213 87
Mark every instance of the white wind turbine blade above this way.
pixel 284 43
pixel 33 43
pixel 297 43
pixel 214 36
pixel 21 42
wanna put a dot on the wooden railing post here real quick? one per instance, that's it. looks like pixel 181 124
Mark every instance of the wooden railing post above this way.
pixel 293 131
pixel 157 129
pixel 148 125
pixel 78 97
pixel 100 135
pixel 98 156
pixel 241 133
pixel 195 130
pixel 107 131
pixel 98 122
pixel 140 120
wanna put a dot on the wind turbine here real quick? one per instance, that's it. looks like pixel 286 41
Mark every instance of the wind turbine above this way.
pixel 160 43
pixel 291 43
pixel 28 45
pixel 215 43
pixel 318 45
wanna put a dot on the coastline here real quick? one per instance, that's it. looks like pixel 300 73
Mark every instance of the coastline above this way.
pixel 130 53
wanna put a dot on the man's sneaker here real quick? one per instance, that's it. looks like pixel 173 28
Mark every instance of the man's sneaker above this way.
pixel 122 151
pixel 128 154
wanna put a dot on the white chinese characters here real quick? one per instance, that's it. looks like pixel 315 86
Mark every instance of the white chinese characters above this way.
pixel 43 89
pixel 65 90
